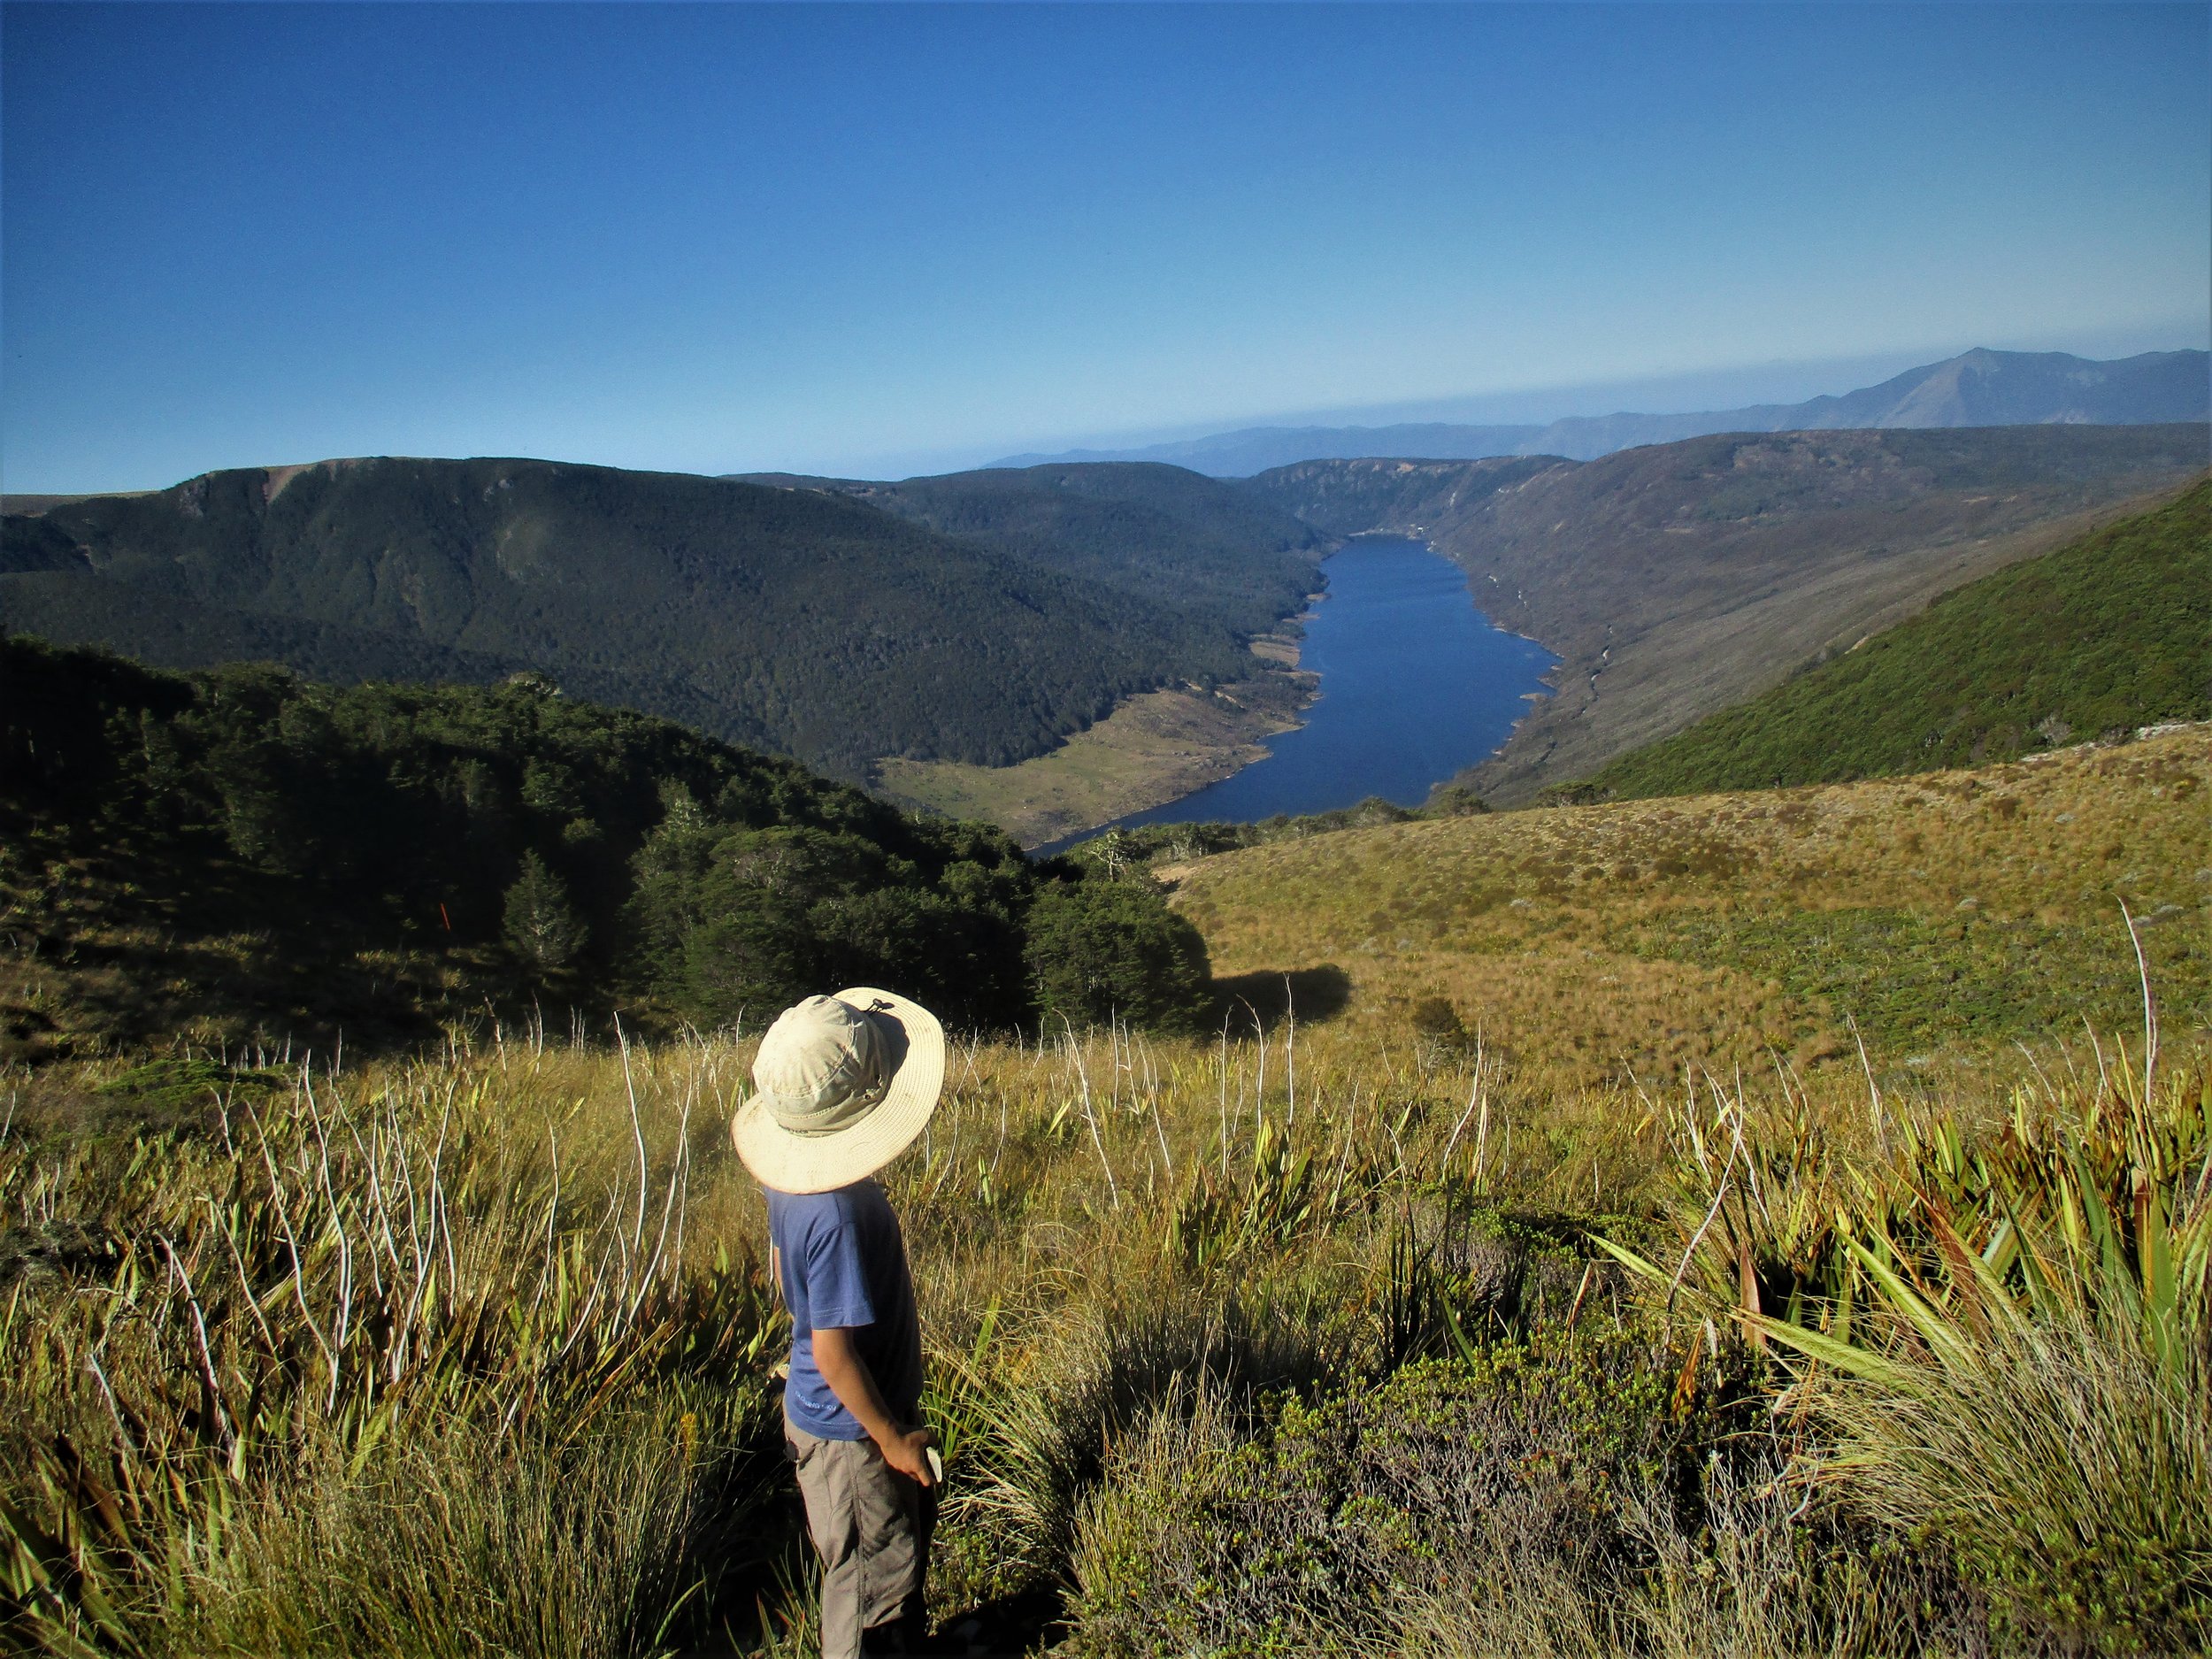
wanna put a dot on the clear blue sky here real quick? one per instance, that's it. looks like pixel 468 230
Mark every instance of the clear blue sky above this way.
pixel 867 240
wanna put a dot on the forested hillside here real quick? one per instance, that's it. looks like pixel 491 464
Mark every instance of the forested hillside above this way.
pixel 1680 579
pixel 796 620
pixel 1154 532
pixel 243 852
pixel 2112 632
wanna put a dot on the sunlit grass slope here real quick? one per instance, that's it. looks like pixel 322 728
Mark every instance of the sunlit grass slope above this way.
pixel 1252 1346
pixel 2114 632
pixel 1952 911
pixel 1357 1334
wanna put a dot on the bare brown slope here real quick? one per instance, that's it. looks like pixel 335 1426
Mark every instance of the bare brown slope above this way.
pixel 1678 579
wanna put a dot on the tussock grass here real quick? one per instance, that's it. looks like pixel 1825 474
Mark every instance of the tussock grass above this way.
pixel 1299 1337
pixel 2011 1333
pixel 1935 915
pixel 436 1323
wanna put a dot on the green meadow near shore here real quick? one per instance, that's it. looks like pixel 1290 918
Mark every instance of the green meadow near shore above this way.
pixel 1749 1225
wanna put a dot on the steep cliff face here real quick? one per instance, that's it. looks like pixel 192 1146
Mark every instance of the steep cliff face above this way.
pixel 1677 579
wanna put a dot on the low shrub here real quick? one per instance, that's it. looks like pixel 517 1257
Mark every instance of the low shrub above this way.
pixel 1051 1435
pixel 1100 951
pixel 1323 1525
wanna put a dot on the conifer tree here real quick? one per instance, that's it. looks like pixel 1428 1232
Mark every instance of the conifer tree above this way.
pixel 543 928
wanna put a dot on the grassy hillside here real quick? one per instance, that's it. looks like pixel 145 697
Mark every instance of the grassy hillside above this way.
pixel 1677 580
pixel 1412 1324
pixel 2112 632
pixel 1943 915
pixel 793 620
pixel 242 855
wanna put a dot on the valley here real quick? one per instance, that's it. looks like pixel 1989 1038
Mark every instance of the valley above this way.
pixel 1677 580
pixel 964 642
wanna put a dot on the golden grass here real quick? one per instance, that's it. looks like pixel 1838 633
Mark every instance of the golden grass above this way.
pixel 1060 1185
pixel 1632 936
pixel 1152 749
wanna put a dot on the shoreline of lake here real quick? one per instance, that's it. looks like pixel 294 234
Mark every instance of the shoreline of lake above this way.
pixel 1389 603
pixel 1397 632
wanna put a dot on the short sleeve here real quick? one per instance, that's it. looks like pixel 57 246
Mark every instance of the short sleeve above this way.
pixel 836 1277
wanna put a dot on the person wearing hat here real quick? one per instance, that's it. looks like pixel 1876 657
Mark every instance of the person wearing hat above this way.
pixel 843 1086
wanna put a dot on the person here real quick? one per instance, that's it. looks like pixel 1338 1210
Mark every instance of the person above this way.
pixel 843 1084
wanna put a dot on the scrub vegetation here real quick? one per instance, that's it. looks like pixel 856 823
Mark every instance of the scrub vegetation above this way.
pixel 243 855
pixel 1524 1256
pixel 2108 635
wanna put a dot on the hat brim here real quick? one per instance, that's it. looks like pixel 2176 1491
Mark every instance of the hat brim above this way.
pixel 821 1164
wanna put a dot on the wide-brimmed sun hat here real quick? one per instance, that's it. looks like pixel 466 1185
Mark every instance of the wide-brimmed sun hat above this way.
pixel 841 1085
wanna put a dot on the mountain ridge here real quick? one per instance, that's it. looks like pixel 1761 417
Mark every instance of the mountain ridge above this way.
pixel 1675 580
pixel 809 623
pixel 1132 527
pixel 1978 387
pixel 2107 634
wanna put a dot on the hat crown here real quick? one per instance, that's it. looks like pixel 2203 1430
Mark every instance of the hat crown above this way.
pixel 821 1066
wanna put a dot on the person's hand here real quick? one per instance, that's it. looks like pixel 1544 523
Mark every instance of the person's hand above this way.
pixel 908 1452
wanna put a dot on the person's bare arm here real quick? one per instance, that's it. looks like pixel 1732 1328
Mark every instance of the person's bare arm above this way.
pixel 906 1450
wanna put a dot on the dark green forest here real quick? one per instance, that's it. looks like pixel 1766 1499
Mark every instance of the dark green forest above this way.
pixel 801 621
pixel 2110 633
pixel 299 858
pixel 1141 529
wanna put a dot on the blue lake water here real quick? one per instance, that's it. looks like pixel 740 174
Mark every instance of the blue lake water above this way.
pixel 1416 683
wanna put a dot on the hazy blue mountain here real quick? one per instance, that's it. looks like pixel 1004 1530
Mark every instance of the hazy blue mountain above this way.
pixel 1977 388
pixel 1259 448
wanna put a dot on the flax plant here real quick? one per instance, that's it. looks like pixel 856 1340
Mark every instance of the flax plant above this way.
pixel 2008 1332
pixel 390 1323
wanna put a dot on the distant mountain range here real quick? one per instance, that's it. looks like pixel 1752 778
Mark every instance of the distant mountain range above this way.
pixel 1978 388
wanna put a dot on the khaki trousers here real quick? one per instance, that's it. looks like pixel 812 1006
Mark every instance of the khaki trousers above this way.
pixel 871 1525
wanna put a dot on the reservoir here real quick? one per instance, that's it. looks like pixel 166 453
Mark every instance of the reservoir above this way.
pixel 1416 683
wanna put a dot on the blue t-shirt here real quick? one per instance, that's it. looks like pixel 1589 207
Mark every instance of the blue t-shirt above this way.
pixel 844 1265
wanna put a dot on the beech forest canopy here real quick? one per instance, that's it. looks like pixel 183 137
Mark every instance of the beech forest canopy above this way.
pixel 1142 529
pixel 979 620
pixel 293 858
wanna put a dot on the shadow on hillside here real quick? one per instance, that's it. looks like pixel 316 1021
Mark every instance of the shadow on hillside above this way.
pixel 1310 993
